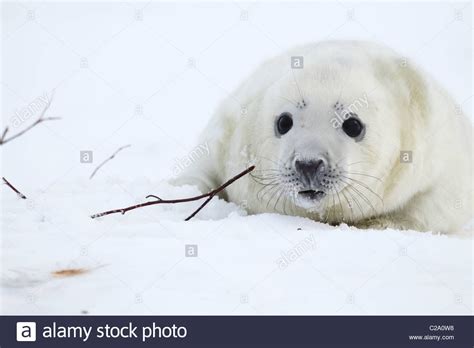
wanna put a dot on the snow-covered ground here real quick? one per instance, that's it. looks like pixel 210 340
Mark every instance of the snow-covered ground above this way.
pixel 151 78
pixel 136 263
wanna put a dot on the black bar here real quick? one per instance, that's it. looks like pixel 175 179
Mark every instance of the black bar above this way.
pixel 250 331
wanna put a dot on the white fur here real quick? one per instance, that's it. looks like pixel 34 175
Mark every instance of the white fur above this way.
pixel 403 110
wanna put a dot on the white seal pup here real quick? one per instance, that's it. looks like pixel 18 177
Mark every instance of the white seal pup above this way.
pixel 342 132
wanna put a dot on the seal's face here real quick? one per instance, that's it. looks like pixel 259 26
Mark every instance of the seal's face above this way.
pixel 314 176
pixel 328 135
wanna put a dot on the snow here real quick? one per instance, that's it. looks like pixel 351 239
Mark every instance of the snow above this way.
pixel 246 264
pixel 135 88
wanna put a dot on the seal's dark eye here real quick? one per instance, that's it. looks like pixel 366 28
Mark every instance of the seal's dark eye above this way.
pixel 284 123
pixel 352 127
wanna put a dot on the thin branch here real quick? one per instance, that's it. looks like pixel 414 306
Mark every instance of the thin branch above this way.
pixel 108 159
pixel 21 195
pixel 4 134
pixel 158 200
pixel 41 119
pixel 199 209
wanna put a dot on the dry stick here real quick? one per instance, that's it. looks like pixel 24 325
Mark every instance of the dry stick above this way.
pixel 108 159
pixel 21 195
pixel 38 121
pixel 158 200
pixel 4 133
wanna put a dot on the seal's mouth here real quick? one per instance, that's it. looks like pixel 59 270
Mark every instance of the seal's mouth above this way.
pixel 312 195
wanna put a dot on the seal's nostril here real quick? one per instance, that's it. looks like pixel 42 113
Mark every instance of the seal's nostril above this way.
pixel 309 169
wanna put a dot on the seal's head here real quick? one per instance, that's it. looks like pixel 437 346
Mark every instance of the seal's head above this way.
pixel 352 132
pixel 332 134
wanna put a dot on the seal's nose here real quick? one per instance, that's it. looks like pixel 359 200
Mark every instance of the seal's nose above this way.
pixel 310 170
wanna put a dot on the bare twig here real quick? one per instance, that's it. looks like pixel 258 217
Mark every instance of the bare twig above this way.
pixel 158 200
pixel 4 134
pixel 21 195
pixel 4 140
pixel 108 159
